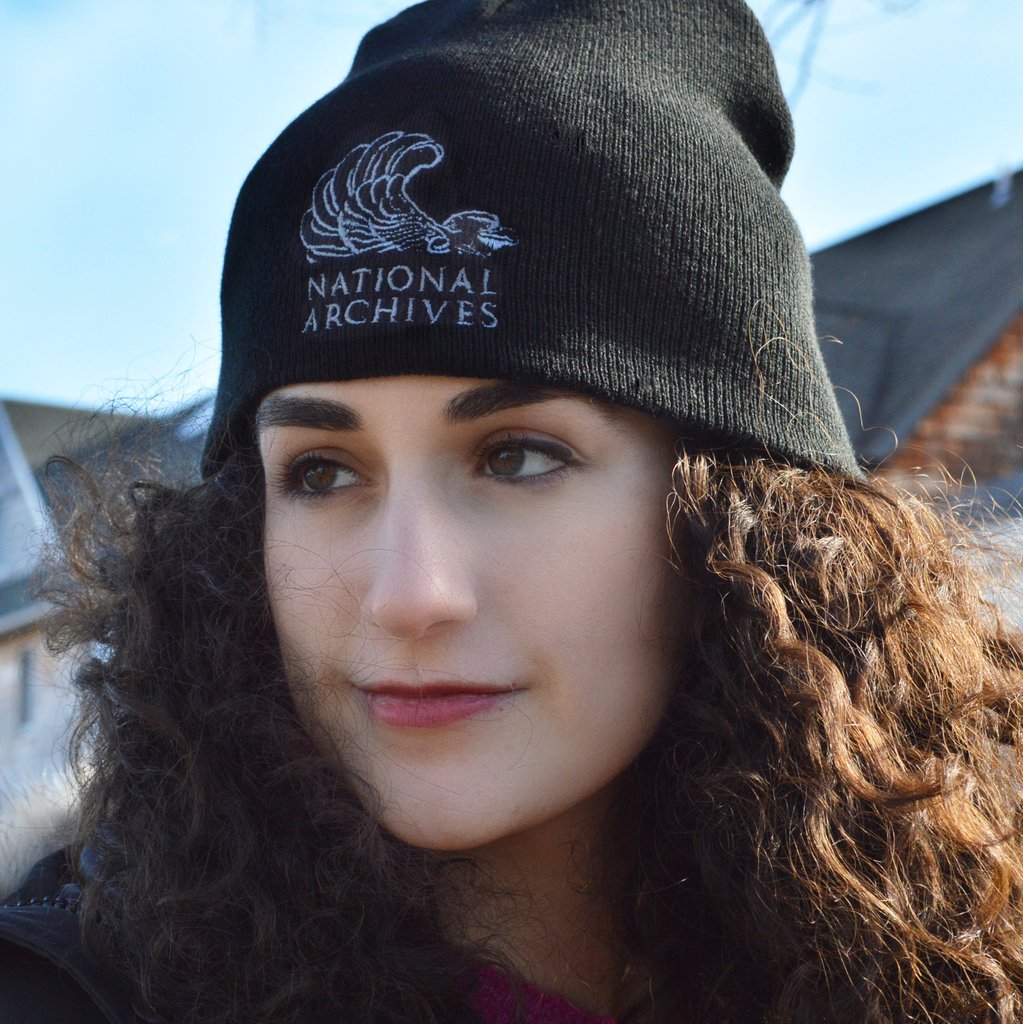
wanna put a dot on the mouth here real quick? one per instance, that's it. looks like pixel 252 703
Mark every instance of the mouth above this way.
pixel 432 705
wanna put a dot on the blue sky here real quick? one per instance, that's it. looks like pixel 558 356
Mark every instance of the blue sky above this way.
pixel 128 126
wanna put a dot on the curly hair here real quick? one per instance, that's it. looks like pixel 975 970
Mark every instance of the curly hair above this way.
pixel 824 829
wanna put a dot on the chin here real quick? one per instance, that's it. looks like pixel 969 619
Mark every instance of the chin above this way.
pixel 446 821
pixel 443 832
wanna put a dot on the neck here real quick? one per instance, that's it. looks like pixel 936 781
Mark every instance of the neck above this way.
pixel 543 899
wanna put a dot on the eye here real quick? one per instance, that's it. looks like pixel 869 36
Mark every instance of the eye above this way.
pixel 525 458
pixel 316 474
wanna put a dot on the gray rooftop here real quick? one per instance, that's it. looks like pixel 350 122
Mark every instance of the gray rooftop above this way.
pixel 915 303
pixel 47 430
pixel 160 448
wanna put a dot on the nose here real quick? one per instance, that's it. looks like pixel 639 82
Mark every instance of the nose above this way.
pixel 420 580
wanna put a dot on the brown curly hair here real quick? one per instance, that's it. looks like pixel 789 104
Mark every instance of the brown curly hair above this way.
pixel 828 817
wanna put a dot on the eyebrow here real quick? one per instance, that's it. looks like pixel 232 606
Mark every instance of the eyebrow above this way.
pixel 473 404
pixel 486 399
pixel 318 413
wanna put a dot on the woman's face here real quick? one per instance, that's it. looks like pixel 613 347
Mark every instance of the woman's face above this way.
pixel 469 581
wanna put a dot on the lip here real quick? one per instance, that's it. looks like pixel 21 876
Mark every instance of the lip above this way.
pixel 432 705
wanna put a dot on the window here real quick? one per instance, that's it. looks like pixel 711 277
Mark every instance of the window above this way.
pixel 26 681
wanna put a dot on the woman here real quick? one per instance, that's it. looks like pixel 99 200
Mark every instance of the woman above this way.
pixel 532 648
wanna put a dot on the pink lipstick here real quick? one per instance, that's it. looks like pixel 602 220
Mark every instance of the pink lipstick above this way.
pixel 429 707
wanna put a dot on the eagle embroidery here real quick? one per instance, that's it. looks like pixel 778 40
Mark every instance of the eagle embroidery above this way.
pixel 363 206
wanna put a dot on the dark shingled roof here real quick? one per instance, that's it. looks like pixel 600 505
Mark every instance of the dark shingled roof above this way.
pixel 915 303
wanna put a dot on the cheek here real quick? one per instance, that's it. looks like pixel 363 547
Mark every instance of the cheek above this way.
pixel 611 608
pixel 315 615
pixel 627 653
pixel 310 599
pixel 607 591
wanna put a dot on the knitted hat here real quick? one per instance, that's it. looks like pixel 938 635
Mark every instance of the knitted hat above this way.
pixel 579 193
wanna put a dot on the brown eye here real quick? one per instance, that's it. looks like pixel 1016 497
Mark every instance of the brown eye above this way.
pixel 515 460
pixel 506 461
pixel 319 476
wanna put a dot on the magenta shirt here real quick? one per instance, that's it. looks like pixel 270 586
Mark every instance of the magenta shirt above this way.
pixel 495 1003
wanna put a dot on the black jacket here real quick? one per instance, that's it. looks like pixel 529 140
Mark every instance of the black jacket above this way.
pixel 45 975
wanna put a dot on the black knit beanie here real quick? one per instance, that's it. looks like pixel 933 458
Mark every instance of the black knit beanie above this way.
pixel 579 193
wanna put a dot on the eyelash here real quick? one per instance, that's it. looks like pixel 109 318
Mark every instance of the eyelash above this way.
pixel 289 480
pixel 551 449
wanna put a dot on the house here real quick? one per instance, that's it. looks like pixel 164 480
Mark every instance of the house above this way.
pixel 921 322
pixel 35 705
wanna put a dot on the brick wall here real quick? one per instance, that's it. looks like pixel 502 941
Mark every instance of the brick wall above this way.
pixel 976 432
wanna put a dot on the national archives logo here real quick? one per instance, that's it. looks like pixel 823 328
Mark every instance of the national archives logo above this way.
pixel 361 207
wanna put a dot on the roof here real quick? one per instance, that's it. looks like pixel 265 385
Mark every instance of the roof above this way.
pixel 163 448
pixel 46 430
pixel 914 304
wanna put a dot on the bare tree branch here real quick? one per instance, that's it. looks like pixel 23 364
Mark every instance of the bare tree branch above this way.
pixel 813 39
pixel 783 17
